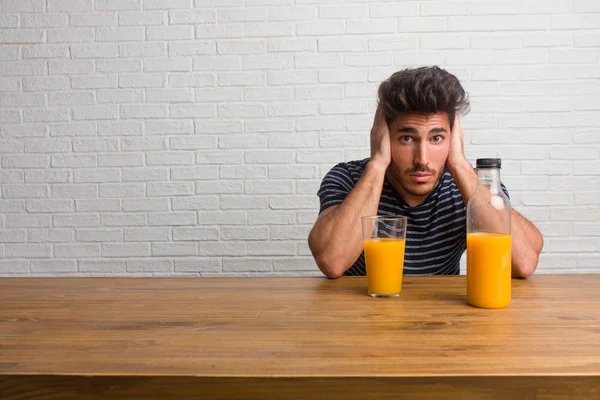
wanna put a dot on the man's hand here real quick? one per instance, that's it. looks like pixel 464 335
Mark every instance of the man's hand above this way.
pixel 456 156
pixel 381 149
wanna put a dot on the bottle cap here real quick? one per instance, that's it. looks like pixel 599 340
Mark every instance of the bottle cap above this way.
pixel 489 163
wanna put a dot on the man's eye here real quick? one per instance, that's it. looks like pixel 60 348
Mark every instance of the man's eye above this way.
pixel 406 139
pixel 437 138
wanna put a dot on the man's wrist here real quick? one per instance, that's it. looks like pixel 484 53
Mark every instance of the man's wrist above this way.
pixel 376 166
pixel 459 167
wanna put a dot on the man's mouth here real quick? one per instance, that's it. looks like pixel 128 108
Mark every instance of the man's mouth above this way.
pixel 420 177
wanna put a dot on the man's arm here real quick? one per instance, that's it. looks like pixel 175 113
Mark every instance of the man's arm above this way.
pixel 527 241
pixel 336 238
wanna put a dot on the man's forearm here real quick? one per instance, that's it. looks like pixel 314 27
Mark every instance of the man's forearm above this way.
pixel 336 240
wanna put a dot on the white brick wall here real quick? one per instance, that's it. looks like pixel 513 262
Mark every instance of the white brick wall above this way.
pixel 180 137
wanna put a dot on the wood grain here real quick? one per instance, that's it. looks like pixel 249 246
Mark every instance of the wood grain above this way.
pixel 305 332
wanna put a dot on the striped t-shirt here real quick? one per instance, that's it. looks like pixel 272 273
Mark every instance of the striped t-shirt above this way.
pixel 436 229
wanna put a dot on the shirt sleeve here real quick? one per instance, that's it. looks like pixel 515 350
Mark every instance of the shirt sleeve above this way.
pixel 336 185
pixel 505 190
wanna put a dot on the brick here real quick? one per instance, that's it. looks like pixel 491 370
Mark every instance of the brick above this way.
pixel 212 127
pixel 293 202
pixel 191 48
pixel 217 63
pixel 221 218
pixel 98 205
pixel 175 64
pixel 191 80
pixel 94 50
pixel 194 234
pixel 219 31
pixel 169 127
pixel 145 174
pixel 229 249
pixel 172 218
pixel 95 112
pixel 70 35
pixel 160 4
pixel 16 36
pixel 146 234
pixel 194 173
pixel 102 266
pixel 219 187
pixel 144 111
pixel 8 6
pixel 49 205
pixel 274 248
pixel 246 265
pixel 195 203
pixel 342 76
pixel 141 18
pixel 94 82
pixel 88 175
pixel 246 202
pixel 145 204
pixel 53 266
pixel 444 8
pixel 25 190
pixel 44 235
pixel 112 5
pixel 169 32
pixel 70 5
pixel 74 190
pixel 95 145
pixel 319 28
pixel 212 264
pixel 177 17
pixel 119 128
pixel 26 250
pixel 120 190
pixel 140 49
pixel 10 84
pixel 192 142
pixel 219 157
pixel 169 188
pixel 75 220
pixel 271 186
pixel 123 219
pixel 245 46
pixel 241 111
pixel 170 158
pixel 125 250
pixel 11 176
pixel 268 29
pixel 99 235
pixel 24 220
pixel 241 79
pixel 149 266
pixel 69 67
pixel 371 26
pixel 241 172
pixel 295 77
pixel 13 235
pixel 45 51
pixel 71 98
pixel 267 156
pixel 93 19
pixel 291 44
pixel 291 109
pixel 109 66
pixel 295 171
pixel 174 249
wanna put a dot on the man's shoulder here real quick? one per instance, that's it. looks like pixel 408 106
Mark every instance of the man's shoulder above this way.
pixel 350 168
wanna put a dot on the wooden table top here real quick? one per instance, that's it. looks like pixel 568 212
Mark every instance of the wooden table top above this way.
pixel 295 327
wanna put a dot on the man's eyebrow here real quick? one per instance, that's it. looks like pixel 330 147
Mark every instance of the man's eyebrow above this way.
pixel 407 129
pixel 438 130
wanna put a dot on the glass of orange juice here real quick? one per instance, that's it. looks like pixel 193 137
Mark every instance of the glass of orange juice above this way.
pixel 384 241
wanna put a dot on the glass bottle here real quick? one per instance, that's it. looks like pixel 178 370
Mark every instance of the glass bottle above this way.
pixel 488 239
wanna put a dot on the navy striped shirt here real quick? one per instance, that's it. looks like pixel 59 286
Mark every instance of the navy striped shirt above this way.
pixel 436 229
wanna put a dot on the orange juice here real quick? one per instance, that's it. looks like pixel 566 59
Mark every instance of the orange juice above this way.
pixel 488 270
pixel 384 258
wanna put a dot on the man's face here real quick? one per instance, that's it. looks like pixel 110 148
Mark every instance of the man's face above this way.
pixel 420 147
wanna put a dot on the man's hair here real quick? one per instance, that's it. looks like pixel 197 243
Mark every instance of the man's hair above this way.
pixel 425 90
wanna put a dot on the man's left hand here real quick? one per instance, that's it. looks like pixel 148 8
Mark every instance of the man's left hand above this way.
pixel 456 156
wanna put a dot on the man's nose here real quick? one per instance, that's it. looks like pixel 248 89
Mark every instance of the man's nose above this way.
pixel 422 155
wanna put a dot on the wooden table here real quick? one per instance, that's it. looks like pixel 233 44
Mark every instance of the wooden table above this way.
pixel 313 338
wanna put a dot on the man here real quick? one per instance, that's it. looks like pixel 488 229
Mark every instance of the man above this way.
pixel 417 169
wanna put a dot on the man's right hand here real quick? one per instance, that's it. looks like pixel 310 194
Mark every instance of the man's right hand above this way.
pixel 381 147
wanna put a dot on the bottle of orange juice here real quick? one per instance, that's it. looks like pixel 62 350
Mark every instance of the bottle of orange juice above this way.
pixel 488 239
